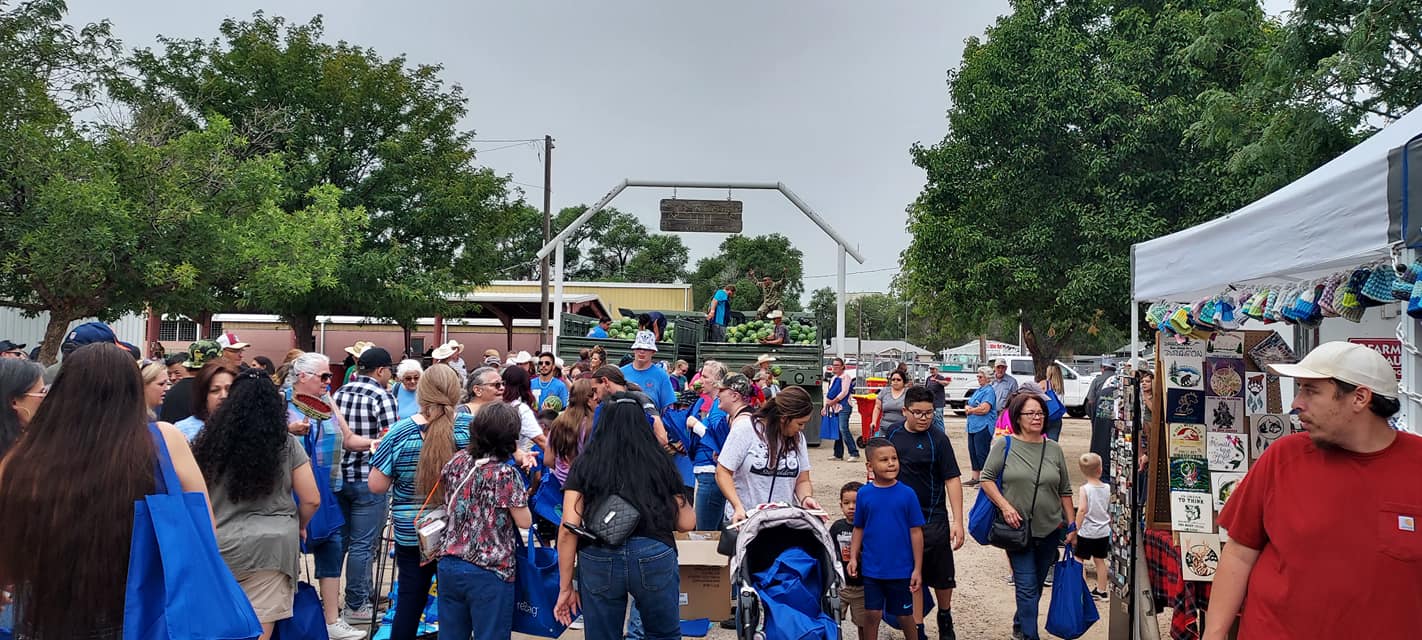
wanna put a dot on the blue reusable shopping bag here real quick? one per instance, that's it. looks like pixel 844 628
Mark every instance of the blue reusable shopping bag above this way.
pixel 178 586
pixel 307 621
pixel 1055 408
pixel 1072 610
pixel 328 519
pixel 536 591
pixel 548 500
pixel 984 511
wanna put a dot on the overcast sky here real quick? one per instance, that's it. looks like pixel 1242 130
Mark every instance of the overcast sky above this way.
pixel 825 96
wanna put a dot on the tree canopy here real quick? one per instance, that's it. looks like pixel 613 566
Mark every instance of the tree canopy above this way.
pixel 770 255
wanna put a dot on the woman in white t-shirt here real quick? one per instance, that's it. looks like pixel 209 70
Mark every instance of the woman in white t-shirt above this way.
pixel 767 461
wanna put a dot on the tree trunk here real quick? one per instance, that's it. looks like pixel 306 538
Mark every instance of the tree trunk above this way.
pixel 54 335
pixel 303 325
pixel 1044 352
pixel 407 329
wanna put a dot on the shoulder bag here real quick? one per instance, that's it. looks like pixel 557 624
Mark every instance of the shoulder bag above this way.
pixel 431 525
pixel 984 511
pixel 613 520
pixel 1006 537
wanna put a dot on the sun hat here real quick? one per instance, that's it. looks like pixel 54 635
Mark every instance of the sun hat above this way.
pixel 201 353
pixel 359 347
pixel 229 340
pixel 774 314
pixel 764 357
pixel 446 350
pixel 523 357
pixel 1352 363
pixel 645 340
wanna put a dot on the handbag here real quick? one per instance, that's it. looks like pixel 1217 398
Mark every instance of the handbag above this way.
pixel 547 502
pixel 178 585
pixel 307 621
pixel 984 510
pixel 328 520
pixel 613 520
pixel 431 525
pixel 1072 610
pixel 1055 409
pixel 536 591
pixel 1007 537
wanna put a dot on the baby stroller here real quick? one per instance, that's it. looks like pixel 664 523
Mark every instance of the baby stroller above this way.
pixel 767 545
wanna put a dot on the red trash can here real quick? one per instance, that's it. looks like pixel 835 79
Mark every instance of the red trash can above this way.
pixel 864 404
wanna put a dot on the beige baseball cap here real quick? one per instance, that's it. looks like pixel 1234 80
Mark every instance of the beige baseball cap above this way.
pixel 1354 364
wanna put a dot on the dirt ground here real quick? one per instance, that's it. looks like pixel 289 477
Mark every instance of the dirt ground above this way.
pixel 983 604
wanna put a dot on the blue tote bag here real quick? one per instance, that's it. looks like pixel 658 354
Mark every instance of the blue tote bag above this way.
pixel 1072 610
pixel 307 621
pixel 547 502
pixel 984 511
pixel 178 586
pixel 536 591
pixel 328 519
pixel 1055 409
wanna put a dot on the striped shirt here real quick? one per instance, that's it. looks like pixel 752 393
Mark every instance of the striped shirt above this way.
pixel 398 457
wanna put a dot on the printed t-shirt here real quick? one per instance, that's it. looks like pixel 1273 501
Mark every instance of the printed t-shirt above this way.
pixel 748 458
pixel 481 529
pixel 1340 540
pixel 654 381
pixel 398 457
pixel 926 461
pixel 842 532
pixel 543 390
pixel 886 514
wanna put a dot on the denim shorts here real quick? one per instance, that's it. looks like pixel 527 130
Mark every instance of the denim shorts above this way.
pixel 330 557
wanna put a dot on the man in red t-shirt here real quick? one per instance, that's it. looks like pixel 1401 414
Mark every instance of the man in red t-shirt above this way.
pixel 1324 538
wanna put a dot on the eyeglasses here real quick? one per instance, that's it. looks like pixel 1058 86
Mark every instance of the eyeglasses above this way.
pixel 496 385
pixel 411 378
pixel 325 377
pixel 42 392
pixel 1032 414
pixel 920 414
pixel 545 363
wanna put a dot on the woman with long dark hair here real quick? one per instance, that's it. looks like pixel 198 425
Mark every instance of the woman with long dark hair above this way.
pixel 645 565
pixel 1036 492
pixel 571 429
pixel 21 392
pixel 252 465
pixel 408 464
pixel 67 490
pixel 487 506
pixel 209 390
pixel 769 462
pixel 518 392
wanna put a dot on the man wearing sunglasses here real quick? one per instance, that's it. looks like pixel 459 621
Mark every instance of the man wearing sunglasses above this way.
pixel 545 385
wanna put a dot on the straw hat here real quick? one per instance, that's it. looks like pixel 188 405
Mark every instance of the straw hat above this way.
pixel 359 347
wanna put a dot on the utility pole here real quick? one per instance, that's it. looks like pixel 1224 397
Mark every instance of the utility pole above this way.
pixel 546 332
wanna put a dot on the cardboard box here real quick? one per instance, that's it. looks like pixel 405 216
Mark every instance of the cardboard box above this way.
pixel 705 576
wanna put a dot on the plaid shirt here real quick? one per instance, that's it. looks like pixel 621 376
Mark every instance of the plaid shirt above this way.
pixel 370 411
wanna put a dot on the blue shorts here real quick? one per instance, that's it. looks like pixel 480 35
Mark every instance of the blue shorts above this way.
pixel 890 596
pixel 330 557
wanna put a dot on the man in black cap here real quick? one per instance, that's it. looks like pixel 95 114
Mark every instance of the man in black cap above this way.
pixel 370 411
pixel 11 350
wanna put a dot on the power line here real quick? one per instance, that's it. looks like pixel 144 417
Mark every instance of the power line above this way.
pixel 507 146
pixel 496 140
pixel 853 273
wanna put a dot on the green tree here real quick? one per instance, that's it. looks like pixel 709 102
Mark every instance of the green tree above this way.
pixel 383 132
pixel 1068 141
pixel 660 259
pixel 771 255
pixel 822 304
pixel 611 245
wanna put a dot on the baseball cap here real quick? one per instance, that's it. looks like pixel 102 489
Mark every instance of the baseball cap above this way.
pixel 375 358
pixel 91 332
pixel 228 340
pixel 1000 362
pixel 738 383
pixel 1354 364
pixel 6 345
pixel 201 353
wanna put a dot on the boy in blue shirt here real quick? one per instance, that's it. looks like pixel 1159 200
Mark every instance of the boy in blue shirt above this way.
pixel 887 546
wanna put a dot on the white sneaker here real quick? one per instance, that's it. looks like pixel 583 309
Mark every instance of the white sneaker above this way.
pixel 576 623
pixel 339 630
pixel 852 459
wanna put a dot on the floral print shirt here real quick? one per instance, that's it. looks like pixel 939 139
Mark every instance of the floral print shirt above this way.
pixel 481 529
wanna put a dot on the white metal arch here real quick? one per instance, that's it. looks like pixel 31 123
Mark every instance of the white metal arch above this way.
pixel 557 243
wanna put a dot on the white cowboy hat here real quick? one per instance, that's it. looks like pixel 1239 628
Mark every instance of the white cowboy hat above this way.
pixel 765 357
pixel 523 357
pixel 774 314
pixel 446 350
pixel 645 340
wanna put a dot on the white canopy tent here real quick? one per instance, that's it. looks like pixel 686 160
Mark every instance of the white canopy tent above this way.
pixel 1343 214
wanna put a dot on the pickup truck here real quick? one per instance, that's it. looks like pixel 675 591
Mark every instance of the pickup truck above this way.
pixel 1020 367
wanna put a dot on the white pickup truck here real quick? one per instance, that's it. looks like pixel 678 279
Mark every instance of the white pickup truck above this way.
pixel 1020 367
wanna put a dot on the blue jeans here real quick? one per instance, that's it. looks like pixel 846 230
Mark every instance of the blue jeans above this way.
pixel 979 443
pixel 365 515
pixel 710 502
pixel 413 592
pixel 1053 430
pixel 642 568
pixel 474 600
pixel 1029 571
pixel 846 437
pixel 938 418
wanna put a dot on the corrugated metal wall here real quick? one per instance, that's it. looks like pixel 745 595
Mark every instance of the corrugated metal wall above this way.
pixel 662 298
pixel 16 327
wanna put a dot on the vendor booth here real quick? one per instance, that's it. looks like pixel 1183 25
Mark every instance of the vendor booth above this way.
pixel 1331 256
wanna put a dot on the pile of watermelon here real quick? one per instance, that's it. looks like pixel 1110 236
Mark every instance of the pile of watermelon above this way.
pixel 755 330
pixel 626 329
